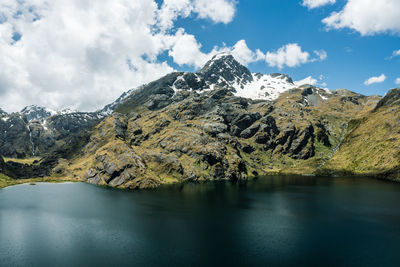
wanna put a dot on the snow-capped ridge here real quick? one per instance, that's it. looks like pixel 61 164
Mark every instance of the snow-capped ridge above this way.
pixel 66 111
pixel 264 87
pixel 35 112
pixel 224 70
pixel 3 113
pixel 220 55
pixel 108 109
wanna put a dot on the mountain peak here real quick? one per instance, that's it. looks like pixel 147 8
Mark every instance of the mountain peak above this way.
pixel 2 112
pixel 223 60
pixel 67 111
pixel 282 76
pixel 221 56
pixel 35 112
pixel 224 70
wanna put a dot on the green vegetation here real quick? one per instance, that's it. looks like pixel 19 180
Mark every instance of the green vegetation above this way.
pixel 7 181
pixel 371 146
pixel 28 161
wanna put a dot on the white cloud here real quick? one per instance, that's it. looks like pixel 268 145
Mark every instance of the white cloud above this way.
pixel 321 54
pixel 367 16
pixel 378 79
pixel 243 53
pixel 397 81
pixel 292 55
pixel 216 10
pixel 308 80
pixel 312 81
pixel 395 53
pixel 186 50
pixel 84 54
pixel 317 3
pixel 171 10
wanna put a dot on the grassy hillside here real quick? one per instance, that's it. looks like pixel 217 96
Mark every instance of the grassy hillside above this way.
pixel 28 161
pixel 372 145
pixel 6 181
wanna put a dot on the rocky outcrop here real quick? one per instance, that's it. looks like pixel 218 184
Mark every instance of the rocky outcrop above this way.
pixel 36 113
pixel 228 70
pixel 15 137
pixel 391 98
pixel 2 166
pixel 36 132
pixel 120 165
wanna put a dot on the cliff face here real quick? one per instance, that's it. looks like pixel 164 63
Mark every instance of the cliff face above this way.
pixel 25 135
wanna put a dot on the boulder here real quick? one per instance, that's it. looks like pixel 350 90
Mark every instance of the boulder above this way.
pixel 244 120
pixel 250 132
pixel 214 129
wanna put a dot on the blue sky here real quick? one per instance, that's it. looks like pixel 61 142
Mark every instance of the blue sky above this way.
pixel 85 54
pixel 267 25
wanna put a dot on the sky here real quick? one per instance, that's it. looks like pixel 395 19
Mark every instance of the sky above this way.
pixel 83 54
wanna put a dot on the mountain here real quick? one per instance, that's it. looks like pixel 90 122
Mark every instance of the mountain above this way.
pixel 108 109
pixel 221 71
pixel 222 122
pixel 36 112
pixel 36 131
pixel 372 144
pixel 224 71
pixel 2 113
pixel 217 135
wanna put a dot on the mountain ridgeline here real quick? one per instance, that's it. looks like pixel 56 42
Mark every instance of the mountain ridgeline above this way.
pixel 222 122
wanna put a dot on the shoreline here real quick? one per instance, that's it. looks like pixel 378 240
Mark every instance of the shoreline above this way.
pixel 50 180
pixel 8 182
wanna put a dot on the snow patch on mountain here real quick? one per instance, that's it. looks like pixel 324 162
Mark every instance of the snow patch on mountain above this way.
pixel 66 111
pixel 108 109
pixel 224 71
pixel 3 113
pixel 264 87
pixel 35 112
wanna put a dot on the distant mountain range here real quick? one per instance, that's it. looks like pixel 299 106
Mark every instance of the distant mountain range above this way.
pixel 222 122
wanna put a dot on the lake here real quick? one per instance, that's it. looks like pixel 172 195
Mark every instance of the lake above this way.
pixel 274 221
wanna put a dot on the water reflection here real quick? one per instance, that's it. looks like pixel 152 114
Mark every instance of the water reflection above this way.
pixel 268 221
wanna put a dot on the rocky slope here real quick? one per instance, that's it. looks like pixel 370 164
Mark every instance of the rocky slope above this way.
pixel 222 122
pixel 35 131
pixel 36 113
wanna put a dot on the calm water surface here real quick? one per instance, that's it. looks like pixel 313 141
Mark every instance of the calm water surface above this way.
pixel 270 221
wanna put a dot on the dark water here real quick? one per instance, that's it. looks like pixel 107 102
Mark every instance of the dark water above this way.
pixel 269 221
